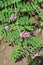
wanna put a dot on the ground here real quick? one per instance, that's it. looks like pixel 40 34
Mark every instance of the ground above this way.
pixel 5 52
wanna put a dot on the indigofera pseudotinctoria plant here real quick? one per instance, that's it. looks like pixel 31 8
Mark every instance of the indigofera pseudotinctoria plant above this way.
pixel 16 27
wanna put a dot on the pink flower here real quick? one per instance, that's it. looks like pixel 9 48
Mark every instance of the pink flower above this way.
pixel 24 34
pixel 7 28
pixel 13 18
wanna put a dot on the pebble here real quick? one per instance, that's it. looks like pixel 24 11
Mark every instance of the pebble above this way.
pixel 34 55
pixel 4 61
pixel 39 30
pixel 41 24
pixel 3 48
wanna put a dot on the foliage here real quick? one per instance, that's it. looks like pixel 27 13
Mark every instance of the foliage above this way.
pixel 38 1
pixel 23 25
pixel 8 11
pixel 4 3
pixel 34 43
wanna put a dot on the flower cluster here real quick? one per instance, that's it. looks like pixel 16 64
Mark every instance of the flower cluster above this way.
pixel 24 34
pixel 12 18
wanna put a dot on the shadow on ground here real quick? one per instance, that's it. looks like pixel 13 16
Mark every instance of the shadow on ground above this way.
pixel 39 59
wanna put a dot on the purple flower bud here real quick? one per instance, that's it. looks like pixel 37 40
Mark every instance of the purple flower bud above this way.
pixel 7 28
pixel 24 34
pixel 12 18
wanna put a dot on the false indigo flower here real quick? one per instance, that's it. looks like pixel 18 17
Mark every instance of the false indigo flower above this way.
pixel 7 28
pixel 24 34
pixel 12 18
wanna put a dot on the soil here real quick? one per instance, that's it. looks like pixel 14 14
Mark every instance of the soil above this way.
pixel 5 52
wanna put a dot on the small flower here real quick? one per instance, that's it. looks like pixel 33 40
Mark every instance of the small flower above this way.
pixel 24 34
pixel 7 28
pixel 12 18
